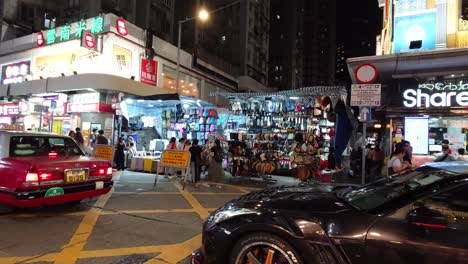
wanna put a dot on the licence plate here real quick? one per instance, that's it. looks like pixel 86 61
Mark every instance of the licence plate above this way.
pixel 75 175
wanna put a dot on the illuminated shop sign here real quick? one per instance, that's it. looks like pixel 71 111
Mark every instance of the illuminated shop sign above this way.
pixel 85 98
pixel 89 108
pixel 9 109
pixel 439 86
pixel 16 72
pixel 121 27
pixel 428 98
pixel 418 30
pixel 76 30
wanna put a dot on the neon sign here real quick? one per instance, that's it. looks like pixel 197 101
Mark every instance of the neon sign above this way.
pixel 121 27
pixel 460 86
pixel 16 72
pixel 418 98
pixel 69 32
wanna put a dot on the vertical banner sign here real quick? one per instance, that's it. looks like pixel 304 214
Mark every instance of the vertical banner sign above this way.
pixel 149 69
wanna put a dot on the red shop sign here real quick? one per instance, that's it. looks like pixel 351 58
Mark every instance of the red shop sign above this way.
pixel 149 69
pixel 121 27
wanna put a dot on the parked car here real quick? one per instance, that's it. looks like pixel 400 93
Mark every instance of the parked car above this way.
pixel 38 169
pixel 420 216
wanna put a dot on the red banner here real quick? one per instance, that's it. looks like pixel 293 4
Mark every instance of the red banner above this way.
pixel 149 70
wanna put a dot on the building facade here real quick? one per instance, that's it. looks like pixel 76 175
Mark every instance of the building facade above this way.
pixel 23 17
pixel 302 43
pixel 357 28
pixel 286 45
pixel 235 38
pixel 421 65
pixel 76 74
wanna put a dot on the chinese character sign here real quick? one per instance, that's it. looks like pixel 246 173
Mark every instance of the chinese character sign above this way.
pixel 65 33
pixel 16 72
pixel 80 27
pixel 149 70
pixel 73 31
pixel 50 36
pixel 98 25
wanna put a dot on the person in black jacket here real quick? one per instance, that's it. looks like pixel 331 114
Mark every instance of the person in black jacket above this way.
pixel 195 161
pixel 101 139
pixel 119 156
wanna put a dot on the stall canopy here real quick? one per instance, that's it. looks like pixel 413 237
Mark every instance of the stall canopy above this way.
pixel 304 94
pixel 133 105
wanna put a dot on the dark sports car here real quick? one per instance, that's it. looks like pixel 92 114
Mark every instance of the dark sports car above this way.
pixel 417 217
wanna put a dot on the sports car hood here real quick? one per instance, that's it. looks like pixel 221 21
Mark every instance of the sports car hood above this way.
pixel 318 198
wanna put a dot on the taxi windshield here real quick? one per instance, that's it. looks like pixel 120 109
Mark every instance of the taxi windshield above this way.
pixel 26 146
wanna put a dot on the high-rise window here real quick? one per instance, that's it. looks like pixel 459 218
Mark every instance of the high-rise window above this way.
pixel 464 10
pixel 49 20
pixel 73 3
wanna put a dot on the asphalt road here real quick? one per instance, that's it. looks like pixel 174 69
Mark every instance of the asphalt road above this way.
pixel 132 224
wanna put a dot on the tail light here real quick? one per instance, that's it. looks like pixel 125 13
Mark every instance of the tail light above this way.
pixel 45 177
pixel 52 154
pixel 101 172
pixel 31 179
pixel 34 178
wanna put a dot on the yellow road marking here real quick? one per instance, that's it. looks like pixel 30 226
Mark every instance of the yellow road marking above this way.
pixel 199 209
pixel 169 253
pixel 149 211
pixel 177 252
pixel 72 250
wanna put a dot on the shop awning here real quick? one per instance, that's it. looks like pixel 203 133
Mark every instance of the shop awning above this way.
pixel 306 93
pixel 166 100
pixel 79 82
pixel 415 64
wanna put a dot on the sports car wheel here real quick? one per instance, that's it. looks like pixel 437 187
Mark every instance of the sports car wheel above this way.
pixel 263 249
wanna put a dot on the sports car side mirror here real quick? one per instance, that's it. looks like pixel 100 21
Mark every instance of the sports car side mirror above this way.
pixel 426 217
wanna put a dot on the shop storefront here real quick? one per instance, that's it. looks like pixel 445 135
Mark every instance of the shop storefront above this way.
pixel 287 133
pixel 428 111
pixel 424 101
pixel 153 120
pixel 90 111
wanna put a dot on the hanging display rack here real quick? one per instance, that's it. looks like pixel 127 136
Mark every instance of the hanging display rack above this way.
pixel 304 94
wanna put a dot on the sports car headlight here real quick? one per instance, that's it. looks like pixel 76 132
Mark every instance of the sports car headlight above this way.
pixel 223 215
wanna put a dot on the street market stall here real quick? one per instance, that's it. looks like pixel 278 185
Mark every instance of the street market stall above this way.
pixel 288 133
pixel 154 120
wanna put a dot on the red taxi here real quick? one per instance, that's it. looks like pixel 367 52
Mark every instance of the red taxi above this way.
pixel 38 169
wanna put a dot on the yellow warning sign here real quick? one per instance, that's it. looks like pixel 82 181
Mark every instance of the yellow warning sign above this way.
pixel 104 152
pixel 175 158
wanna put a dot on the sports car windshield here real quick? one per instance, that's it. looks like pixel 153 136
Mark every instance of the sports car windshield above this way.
pixel 380 192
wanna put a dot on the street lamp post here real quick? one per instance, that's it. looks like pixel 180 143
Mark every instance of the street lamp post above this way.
pixel 203 15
